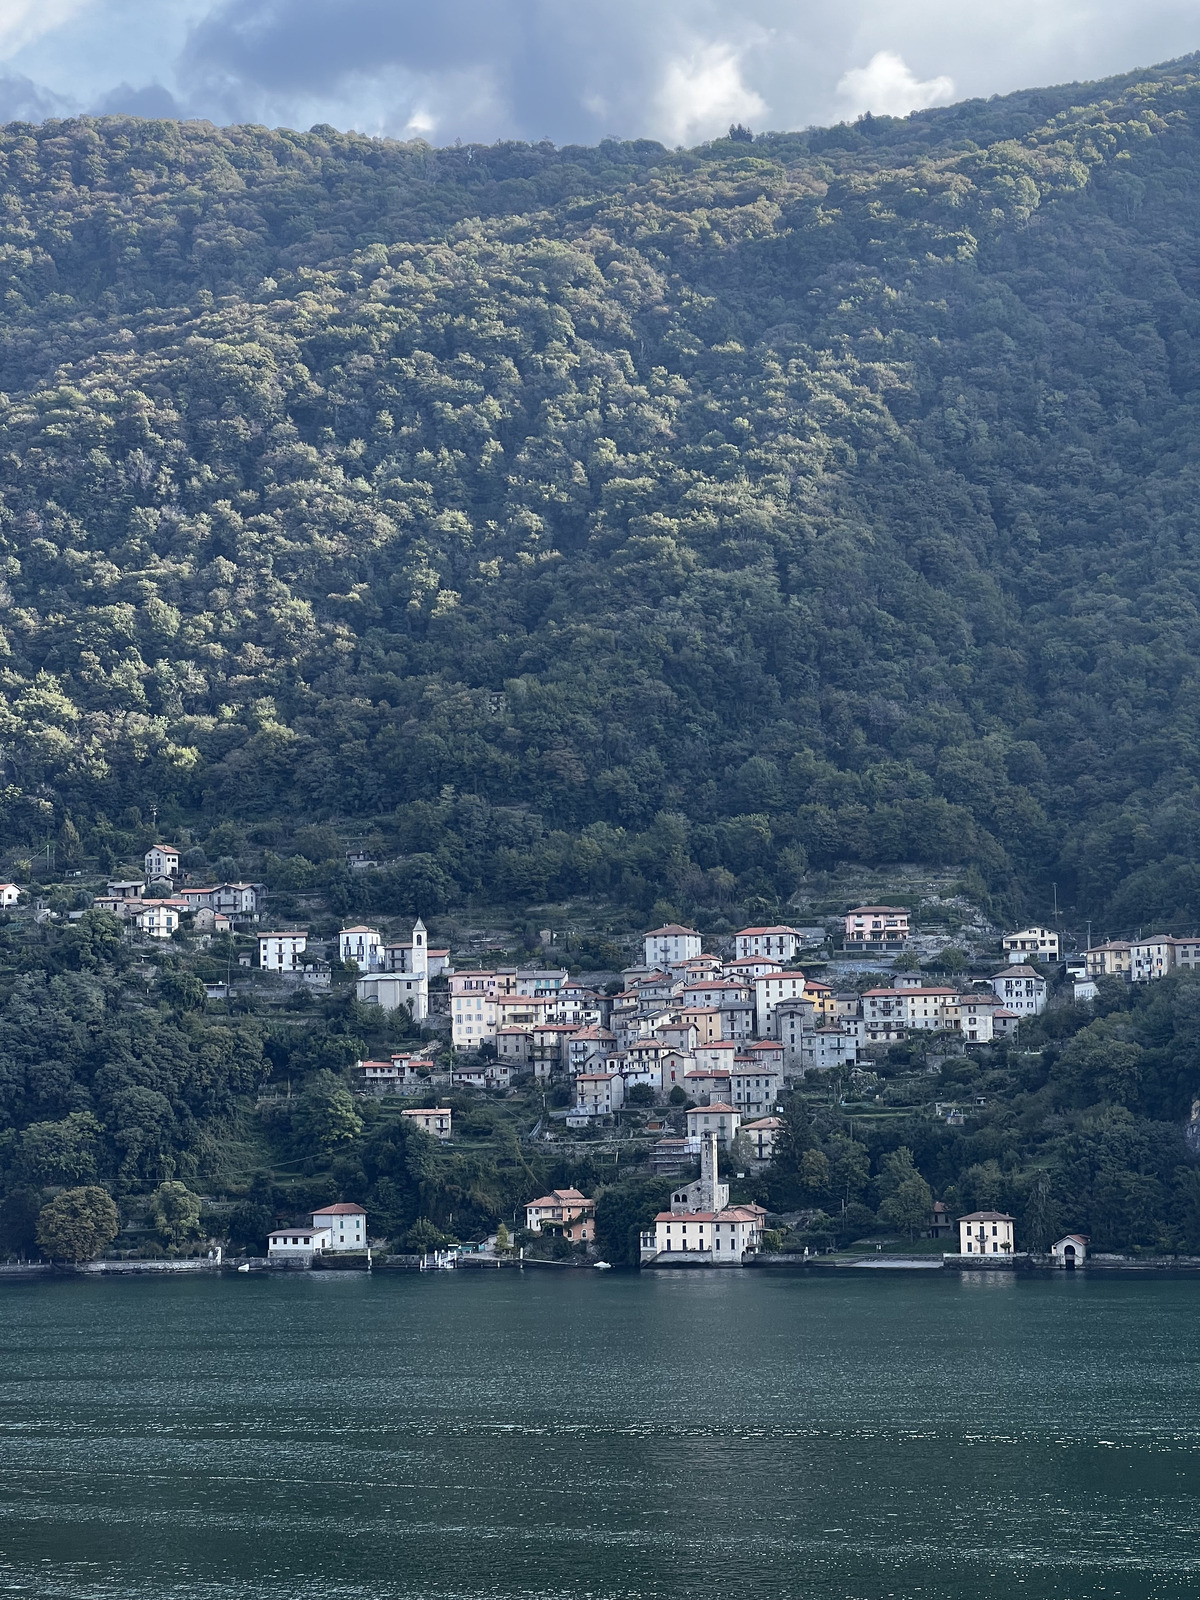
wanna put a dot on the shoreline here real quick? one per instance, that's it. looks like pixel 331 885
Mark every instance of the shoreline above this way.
pixel 1097 1266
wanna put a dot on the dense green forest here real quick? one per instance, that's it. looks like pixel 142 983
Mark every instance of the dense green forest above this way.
pixel 621 521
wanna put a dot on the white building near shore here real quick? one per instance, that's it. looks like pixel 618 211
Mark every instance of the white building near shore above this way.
pixel 296 1246
pixel 986 1233
pixel 701 1222
pixel 346 1225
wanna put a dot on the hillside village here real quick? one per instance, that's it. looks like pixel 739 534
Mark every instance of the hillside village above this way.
pixel 687 1058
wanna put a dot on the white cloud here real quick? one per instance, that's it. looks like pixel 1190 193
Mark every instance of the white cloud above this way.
pixel 24 21
pixel 888 87
pixel 703 93
pixel 680 70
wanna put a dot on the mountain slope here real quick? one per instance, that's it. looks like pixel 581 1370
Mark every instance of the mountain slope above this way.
pixel 619 520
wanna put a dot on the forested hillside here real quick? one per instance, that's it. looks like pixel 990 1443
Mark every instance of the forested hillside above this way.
pixel 618 520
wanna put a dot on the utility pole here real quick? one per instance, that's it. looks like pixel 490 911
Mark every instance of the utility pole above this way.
pixel 1056 905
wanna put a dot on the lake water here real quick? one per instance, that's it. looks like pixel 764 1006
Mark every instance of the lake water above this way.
pixel 475 1436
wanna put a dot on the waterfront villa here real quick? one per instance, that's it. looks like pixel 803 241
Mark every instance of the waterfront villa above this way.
pixel 986 1233
pixel 701 1224
pixel 565 1211
pixel 345 1224
pixel 340 1228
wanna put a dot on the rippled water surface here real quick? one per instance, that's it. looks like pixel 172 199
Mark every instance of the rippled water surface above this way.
pixel 469 1435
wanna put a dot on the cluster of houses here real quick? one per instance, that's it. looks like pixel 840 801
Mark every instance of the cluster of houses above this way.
pixel 725 1033
pixel 528 1014
pixel 1140 960
pixel 155 904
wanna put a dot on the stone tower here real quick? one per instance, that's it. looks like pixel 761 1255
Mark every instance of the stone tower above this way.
pixel 707 1193
pixel 713 1195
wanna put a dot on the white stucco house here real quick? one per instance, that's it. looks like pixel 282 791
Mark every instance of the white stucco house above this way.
pixel 780 942
pixel 159 918
pixel 346 1225
pixel 296 1246
pixel 362 945
pixel 162 861
pixel 10 893
pixel 1021 990
pixel 281 952
pixel 1043 943
pixel 723 1235
pixel 671 945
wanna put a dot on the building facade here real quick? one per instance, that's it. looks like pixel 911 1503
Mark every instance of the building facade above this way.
pixel 565 1211
pixel 781 942
pixel 671 946
pixel 162 861
pixel 347 1225
pixel 878 927
pixel 718 1118
pixel 983 1233
pixel 599 1094
pixel 362 945
pixel 1021 990
pixel 282 952
pixel 437 1121
pixel 1043 943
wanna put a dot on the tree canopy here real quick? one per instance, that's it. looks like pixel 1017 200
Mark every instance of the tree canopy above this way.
pixel 619 517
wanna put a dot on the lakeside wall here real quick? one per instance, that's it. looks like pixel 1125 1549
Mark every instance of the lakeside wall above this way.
pixel 692 1261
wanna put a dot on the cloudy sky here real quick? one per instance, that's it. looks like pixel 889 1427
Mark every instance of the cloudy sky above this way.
pixel 573 70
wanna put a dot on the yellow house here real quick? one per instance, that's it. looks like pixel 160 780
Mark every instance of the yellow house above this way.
pixel 822 998
pixel 1111 960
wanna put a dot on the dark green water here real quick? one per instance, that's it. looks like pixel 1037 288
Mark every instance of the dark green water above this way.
pixel 598 1437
